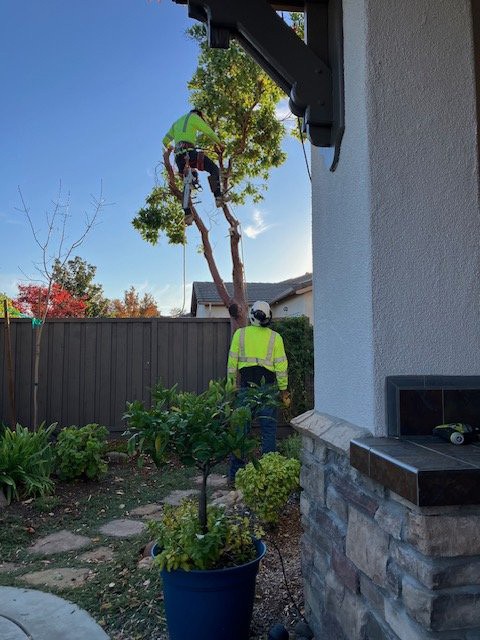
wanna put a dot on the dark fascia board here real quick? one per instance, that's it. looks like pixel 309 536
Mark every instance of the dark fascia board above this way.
pixel 286 5
pixel 310 74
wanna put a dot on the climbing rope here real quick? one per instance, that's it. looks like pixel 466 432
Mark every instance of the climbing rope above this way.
pixel 303 147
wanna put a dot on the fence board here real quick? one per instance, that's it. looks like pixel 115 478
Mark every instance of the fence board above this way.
pixel 91 367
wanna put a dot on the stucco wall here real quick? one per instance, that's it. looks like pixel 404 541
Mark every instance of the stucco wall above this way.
pixel 396 230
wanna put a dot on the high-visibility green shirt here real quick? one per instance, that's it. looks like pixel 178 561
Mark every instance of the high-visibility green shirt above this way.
pixel 186 129
pixel 258 346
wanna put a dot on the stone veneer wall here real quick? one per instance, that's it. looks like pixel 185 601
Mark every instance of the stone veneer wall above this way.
pixel 375 566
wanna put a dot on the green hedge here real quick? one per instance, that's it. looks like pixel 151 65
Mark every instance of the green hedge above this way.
pixel 297 334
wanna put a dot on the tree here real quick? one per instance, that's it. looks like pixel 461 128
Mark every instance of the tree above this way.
pixel 33 299
pixel 132 306
pixel 240 101
pixel 55 248
pixel 76 276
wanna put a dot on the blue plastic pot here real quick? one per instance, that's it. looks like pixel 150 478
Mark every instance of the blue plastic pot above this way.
pixel 211 605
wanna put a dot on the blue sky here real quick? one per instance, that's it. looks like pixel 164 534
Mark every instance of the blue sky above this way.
pixel 89 88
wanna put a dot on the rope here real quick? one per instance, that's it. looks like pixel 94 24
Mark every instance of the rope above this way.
pixel 303 147
pixel 184 274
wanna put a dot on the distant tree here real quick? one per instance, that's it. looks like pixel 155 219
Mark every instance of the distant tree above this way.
pixel 240 102
pixel 132 306
pixel 12 311
pixel 34 299
pixel 76 276
pixel 177 312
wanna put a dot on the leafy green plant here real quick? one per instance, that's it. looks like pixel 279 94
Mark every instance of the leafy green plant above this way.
pixel 26 462
pixel 290 447
pixel 267 485
pixel 202 431
pixel 79 452
pixel 226 543
pixel 297 334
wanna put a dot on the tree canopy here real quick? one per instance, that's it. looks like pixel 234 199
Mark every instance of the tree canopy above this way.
pixel 132 306
pixel 239 101
pixel 76 276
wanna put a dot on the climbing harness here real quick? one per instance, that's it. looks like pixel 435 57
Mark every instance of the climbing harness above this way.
pixel 190 183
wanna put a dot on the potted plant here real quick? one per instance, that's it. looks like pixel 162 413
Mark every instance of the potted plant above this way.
pixel 209 559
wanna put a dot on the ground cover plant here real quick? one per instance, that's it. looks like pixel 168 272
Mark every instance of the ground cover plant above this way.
pixel 26 462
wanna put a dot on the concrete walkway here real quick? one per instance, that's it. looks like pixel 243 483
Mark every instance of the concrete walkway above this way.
pixel 26 614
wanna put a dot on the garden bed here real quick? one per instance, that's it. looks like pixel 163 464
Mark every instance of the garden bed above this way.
pixel 123 593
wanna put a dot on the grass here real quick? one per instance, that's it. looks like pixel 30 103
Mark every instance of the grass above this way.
pixel 125 600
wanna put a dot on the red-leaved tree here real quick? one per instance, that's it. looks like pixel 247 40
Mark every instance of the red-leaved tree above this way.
pixel 36 300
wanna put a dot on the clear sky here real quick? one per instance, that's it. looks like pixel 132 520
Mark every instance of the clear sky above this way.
pixel 88 89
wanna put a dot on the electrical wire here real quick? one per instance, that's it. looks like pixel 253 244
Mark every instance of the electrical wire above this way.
pixel 303 147
pixel 270 541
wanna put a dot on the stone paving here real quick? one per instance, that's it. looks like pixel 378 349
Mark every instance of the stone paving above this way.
pixel 26 613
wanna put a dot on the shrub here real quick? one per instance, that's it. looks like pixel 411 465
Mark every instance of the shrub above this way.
pixel 79 452
pixel 297 334
pixel 226 543
pixel 290 447
pixel 267 485
pixel 26 462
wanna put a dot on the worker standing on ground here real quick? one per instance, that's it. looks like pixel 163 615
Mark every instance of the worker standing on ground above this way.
pixel 183 133
pixel 258 355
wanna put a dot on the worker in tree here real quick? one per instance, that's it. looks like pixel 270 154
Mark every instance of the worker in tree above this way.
pixel 257 354
pixel 183 133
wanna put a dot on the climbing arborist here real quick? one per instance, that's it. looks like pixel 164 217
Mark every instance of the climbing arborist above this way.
pixel 183 133
pixel 257 353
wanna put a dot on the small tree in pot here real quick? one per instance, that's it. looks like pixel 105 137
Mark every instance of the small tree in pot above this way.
pixel 201 430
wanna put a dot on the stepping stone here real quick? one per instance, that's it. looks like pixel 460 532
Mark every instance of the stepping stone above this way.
pixel 145 563
pixel 101 554
pixel 59 542
pixel 214 480
pixel 43 616
pixel 123 528
pixel 8 567
pixel 148 511
pixel 175 497
pixel 117 457
pixel 226 498
pixel 62 578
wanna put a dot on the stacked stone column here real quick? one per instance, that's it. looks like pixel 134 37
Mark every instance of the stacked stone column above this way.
pixel 375 566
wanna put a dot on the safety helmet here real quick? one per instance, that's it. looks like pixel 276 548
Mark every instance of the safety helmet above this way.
pixel 198 112
pixel 260 314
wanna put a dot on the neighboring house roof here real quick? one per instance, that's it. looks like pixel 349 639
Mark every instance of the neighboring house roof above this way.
pixel 272 292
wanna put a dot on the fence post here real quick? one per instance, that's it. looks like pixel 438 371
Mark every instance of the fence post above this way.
pixel 8 350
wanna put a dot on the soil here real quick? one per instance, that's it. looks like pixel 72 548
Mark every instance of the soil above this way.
pixel 279 594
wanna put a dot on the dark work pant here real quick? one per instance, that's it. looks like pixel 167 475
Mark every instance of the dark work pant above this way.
pixel 208 165
pixel 267 420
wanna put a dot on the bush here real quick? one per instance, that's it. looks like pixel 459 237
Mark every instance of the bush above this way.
pixel 182 545
pixel 297 334
pixel 26 462
pixel 290 447
pixel 79 452
pixel 267 485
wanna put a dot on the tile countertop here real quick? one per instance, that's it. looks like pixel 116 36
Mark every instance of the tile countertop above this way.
pixel 425 470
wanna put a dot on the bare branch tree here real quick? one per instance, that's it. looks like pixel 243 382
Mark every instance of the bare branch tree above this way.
pixel 55 248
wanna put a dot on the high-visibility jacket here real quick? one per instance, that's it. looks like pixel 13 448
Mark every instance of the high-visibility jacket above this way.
pixel 186 128
pixel 258 347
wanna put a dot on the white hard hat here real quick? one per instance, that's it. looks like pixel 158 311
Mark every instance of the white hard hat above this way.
pixel 260 314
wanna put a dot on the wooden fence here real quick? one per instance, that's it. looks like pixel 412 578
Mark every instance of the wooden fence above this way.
pixel 89 368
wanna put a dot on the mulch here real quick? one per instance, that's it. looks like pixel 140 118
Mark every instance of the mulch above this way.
pixel 279 593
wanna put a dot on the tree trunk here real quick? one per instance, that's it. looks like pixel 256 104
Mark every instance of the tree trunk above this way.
pixel 202 500
pixel 236 304
pixel 36 371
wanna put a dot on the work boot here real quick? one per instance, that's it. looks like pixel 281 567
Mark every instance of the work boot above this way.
pixel 188 219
